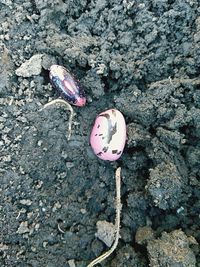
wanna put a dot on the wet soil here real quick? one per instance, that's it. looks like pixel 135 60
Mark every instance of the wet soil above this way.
pixel 141 57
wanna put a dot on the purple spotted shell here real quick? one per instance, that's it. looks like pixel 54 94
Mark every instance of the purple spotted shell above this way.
pixel 108 135
pixel 67 85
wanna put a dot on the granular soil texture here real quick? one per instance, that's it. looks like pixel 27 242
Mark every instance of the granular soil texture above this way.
pixel 141 57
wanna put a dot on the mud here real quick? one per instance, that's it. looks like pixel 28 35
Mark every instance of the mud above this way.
pixel 141 57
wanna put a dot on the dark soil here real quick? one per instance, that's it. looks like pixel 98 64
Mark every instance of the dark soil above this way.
pixel 141 57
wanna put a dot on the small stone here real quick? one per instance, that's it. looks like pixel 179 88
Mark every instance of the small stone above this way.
pixel 56 206
pixel 83 211
pixel 39 142
pixel 33 249
pixel 71 263
pixel 37 226
pixel 44 244
pixel 105 232
pixel 23 228
pixel 30 67
pixel 26 202
pixel 3 247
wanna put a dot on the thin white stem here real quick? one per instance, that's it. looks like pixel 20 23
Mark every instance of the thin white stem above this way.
pixel 117 220
pixel 69 107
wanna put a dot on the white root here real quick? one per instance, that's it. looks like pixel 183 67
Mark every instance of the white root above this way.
pixel 69 107
pixel 117 220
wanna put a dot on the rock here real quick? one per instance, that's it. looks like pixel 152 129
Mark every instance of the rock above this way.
pixel 23 228
pixel 26 202
pixel 30 67
pixel 105 232
pixel 71 263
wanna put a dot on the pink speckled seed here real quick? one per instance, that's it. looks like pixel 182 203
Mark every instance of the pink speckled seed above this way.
pixel 108 135
pixel 67 85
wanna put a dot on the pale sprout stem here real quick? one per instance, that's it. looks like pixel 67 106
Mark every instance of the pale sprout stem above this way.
pixel 117 220
pixel 69 107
